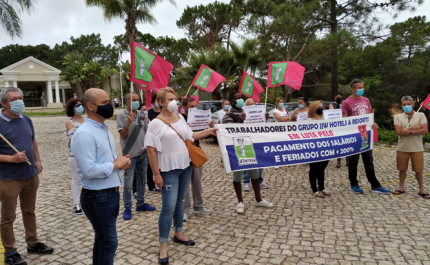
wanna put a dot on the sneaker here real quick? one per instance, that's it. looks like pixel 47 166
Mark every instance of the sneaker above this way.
pixel 240 208
pixel 145 207
pixel 77 209
pixel 39 248
pixel 381 190
pixel 14 259
pixel 357 189
pixel 185 217
pixel 263 203
pixel 135 194
pixel 245 186
pixel 127 214
pixel 264 185
pixel 202 211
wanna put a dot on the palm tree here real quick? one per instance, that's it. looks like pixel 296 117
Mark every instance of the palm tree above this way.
pixel 92 69
pixel 108 72
pixel 9 18
pixel 133 11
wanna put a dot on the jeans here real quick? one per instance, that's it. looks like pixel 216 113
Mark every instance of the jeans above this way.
pixel 317 172
pixel 196 183
pixel 149 180
pixel 137 170
pixel 175 187
pixel 246 178
pixel 102 208
pixel 368 167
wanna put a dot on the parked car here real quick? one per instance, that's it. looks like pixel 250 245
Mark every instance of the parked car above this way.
pixel 213 105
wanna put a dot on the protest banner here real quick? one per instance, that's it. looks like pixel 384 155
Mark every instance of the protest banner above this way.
pixel 199 119
pixel 332 114
pixel 255 114
pixel 302 116
pixel 252 146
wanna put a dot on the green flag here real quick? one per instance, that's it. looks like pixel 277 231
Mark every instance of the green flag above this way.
pixel 143 60
pixel 204 77
pixel 278 72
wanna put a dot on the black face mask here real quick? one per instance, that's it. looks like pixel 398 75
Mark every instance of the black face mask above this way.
pixel 338 100
pixel 319 111
pixel 106 111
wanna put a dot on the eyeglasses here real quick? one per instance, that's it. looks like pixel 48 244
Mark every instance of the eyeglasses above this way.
pixel 78 105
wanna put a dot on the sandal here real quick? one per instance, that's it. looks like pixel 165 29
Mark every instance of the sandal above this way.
pixel 398 192
pixel 424 195
pixel 326 193
pixel 319 194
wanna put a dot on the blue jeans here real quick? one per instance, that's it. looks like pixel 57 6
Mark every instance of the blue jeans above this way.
pixel 136 170
pixel 102 208
pixel 174 191
pixel 246 178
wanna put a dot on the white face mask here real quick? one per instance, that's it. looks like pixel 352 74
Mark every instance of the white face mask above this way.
pixel 172 106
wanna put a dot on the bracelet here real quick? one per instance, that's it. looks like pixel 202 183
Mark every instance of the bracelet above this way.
pixel 126 126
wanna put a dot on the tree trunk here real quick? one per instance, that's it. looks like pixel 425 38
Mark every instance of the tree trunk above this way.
pixel 229 32
pixel 288 92
pixel 334 50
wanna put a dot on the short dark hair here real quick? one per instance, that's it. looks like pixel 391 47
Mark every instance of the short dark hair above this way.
pixel 187 100
pixel 153 98
pixel 231 96
pixel 356 81
pixel 141 105
pixel 305 99
pixel 339 94
pixel 70 105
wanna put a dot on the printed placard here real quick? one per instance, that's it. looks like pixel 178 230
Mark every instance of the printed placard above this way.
pixel 199 119
pixel 302 116
pixel 255 114
pixel 332 114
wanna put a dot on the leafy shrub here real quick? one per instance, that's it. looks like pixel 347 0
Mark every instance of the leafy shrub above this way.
pixel 391 136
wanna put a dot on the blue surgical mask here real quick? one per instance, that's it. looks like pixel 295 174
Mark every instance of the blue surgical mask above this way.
pixel 240 103
pixel 360 92
pixel 301 106
pixel 79 110
pixel 227 107
pixel 135 105
pixel 157 105
pixel 177 102
pixel 281 105
pixel 407 109
pixel 17 106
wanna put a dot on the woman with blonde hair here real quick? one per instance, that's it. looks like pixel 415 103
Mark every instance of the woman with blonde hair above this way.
pixel 280 114
pixel 317 169
pixel 170 163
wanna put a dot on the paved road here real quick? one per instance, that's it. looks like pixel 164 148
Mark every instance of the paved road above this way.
pixel 343 229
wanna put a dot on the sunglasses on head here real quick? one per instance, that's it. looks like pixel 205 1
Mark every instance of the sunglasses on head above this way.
pixel 78 105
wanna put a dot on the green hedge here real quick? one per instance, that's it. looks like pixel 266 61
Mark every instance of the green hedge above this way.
pixel 391 136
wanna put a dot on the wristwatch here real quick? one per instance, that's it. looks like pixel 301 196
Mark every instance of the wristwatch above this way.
pixel 410 132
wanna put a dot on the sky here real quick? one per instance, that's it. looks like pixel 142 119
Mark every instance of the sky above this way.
pixel 55 21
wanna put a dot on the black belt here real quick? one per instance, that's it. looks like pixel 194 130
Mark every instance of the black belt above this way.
pixel 114 189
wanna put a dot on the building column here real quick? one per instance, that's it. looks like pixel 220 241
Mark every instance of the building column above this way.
pixel 64 96
pixel 15 84
pixel 6 83
pixel 49 92
pixel 57 93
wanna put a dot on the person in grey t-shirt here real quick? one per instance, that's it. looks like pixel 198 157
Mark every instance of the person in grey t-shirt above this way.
pixel 132 126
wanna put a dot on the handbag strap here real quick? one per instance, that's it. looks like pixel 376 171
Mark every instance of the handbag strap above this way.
pixel 168 124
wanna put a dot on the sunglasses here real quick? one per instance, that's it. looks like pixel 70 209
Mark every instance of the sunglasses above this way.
pixel 78 105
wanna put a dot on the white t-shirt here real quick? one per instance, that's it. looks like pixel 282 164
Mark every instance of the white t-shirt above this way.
pixel 171 150
pixel 283 114
pixel 221 115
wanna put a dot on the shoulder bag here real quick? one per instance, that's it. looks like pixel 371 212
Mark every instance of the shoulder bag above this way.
pixel 197 156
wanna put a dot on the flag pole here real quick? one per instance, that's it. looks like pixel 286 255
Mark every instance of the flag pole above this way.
pixel 265 100
pixel 188 90
pixel 4 139
pixel 141 95
pixel 414 115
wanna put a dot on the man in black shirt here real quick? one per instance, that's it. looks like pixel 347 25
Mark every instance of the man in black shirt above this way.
pixel 155 110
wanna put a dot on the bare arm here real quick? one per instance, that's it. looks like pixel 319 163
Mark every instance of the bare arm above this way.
pixel 204 133
pixel 69 125
pixel 37 157
pixel 281 119
pixel 124 133
pixel 153 162
pixel 399 130
pixel 330 107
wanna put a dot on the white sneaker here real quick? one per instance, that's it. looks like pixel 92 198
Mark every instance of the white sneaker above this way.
pixel 240 208
pixel 264 185
pixel 245 186
pixel 185 217
pixel 202 211
pixel 263 203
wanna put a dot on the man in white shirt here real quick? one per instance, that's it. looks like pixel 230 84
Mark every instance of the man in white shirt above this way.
pixel 224 110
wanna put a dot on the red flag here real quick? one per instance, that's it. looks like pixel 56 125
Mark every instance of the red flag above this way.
pixel 195 96
pixel 426 103
pixel 148 68
pixel 207 79
pixel 285 73
pixel 250 87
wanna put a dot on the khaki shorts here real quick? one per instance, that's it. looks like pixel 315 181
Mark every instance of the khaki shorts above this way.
pixel 417 159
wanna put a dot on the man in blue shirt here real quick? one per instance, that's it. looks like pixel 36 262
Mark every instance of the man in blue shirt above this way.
pixel 98 166
pixel 18 176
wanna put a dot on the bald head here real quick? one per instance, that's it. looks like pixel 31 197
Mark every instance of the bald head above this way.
pixel 93 95
pixel 249 102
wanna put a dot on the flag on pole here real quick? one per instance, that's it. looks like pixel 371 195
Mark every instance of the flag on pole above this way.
pixel 148 68
pixel 285 73
pixel 207 79
pixel 148 95
pixel 426 103
pixel 250 87
pixel 195 96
